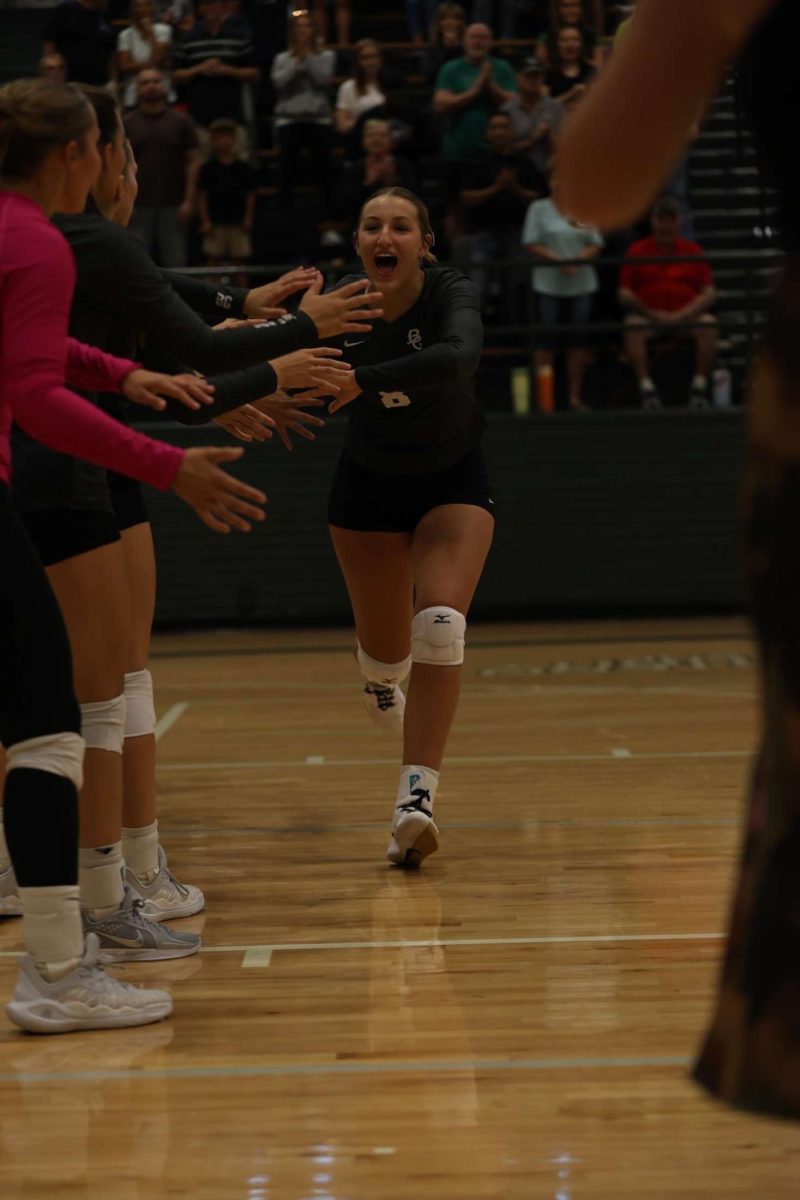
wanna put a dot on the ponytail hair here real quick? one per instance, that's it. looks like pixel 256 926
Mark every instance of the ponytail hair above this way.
pixel 420 208
pixel 35 116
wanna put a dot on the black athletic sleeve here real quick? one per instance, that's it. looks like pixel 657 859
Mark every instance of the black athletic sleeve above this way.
pixel 231 390
pixel 207 299
pixel 116 270
pixel 457 352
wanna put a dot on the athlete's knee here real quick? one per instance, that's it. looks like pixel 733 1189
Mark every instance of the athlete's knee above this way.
pixel 384 674
pixel 103 724
pixel 437 636
pixel 57 753
pixel 140 713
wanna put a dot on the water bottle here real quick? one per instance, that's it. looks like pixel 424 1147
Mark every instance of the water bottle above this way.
pixel 722 392
pixel 545 397
pixel 520 391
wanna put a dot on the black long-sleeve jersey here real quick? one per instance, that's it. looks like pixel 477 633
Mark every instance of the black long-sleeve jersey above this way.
pixel 417 411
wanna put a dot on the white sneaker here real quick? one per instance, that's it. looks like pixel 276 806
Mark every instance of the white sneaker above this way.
pixel 10 905
pixel 164 898
pixel 385 705
pixel 87 998
pixel 414 832
pixel 126 935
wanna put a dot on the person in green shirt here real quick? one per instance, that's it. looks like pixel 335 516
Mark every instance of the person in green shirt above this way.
pixel 468 91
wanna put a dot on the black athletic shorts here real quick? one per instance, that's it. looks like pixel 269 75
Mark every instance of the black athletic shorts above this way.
pixel 62 533
pixel 373 502
pixel 127 500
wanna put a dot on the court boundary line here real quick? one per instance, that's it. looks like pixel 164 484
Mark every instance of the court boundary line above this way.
pixel 173 714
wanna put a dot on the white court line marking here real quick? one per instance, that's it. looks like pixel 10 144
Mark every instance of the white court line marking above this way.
pixel 258 958
pixel 621 752
pixel 452 760
pixel 470 689
pixel 436 1066
pixel 173 714
pixel 315 760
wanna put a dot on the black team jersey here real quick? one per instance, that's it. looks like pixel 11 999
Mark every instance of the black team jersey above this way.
pixel 417 411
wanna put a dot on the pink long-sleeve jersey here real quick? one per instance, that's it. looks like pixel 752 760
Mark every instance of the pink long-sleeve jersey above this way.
pixel 37 278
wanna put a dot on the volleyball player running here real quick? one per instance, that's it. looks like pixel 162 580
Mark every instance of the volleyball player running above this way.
pixel 48 154
pixel 410 511
pixel 616 152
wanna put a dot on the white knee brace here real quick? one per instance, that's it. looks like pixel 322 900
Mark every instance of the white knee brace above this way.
pixel 140 713
pixel 384 674
pixel 437 636
pixel 103 724
pixel 58 753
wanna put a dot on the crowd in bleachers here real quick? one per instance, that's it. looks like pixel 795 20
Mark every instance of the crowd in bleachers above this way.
pixel 260 130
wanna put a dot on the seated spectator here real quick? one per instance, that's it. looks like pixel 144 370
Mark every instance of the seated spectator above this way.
pixel 668 298
pixel 364 91
pixel 446 39
pixel 379 168
pixel 52 66
pixel 570 75
pixel 496 192
pixel 569 15
pixel 164 143
pixel 226 198
pixel 535 117
pixel 564 288
pixel 80 32
pixel 343 15
pixel 302 78
pixel 468 91
pixel 145 43
pixel 212 63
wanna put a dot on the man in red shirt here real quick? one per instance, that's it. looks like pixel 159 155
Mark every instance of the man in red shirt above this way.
pixel 667 297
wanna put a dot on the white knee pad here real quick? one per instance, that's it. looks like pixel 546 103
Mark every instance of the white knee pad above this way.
pixel 140 713
pixel 437 636
pixel 58 753
pixel 384 674
pixel 103 724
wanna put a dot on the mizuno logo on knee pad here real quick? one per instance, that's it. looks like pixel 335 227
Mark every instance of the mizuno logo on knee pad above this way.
pixel 441 619
pixel 437 636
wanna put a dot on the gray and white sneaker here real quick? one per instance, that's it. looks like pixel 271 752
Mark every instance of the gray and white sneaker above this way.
pixel 165 898
pixel 87 998
pixel 10 905
pixel 128 936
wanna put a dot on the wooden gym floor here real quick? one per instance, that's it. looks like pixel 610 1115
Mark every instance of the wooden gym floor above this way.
pixel 514 1022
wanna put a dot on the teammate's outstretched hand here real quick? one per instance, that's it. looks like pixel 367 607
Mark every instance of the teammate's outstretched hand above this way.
pixel 318 367
pixel 148 388
pixel 220 501
pixel 348 392
pixel 343 311
pixel 264 301
pixel 247 423
pixel 288 416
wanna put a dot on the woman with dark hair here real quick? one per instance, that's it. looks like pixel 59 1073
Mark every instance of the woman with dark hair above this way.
pixel 570 73
pixel 48 153
pixel 569 14
pixel 633 131
pixel 97 550
pixel 302 78
pixel 410 510
pixel 446 39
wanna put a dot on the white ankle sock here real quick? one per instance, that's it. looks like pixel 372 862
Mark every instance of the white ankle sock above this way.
pixel 412 777
pixel 5 857
pixel 100 874
pixel 52 929
pixel 140 850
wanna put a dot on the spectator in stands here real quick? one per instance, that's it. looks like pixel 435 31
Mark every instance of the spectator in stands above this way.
pixel 421 18
pixel 570 74
pixel 145 43
pixel 212 63
pixel 468 91
pixel 52 66
pixel 178 14
pixel 446 39
pixel 302 78
pixel 164 144
pixel 226 196
pixel 668 298
pixel 569 15
pixel 363 91
pixel 79 30
pixel 343 15
pixel 535 117
pixel 564 288
pixel 496 192
pixel 379 168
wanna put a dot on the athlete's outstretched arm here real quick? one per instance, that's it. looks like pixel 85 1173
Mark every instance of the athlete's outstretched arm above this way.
pixel 620 145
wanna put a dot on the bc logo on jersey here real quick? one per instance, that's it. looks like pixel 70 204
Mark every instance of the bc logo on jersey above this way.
pixel 415 339
pixel 395 399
